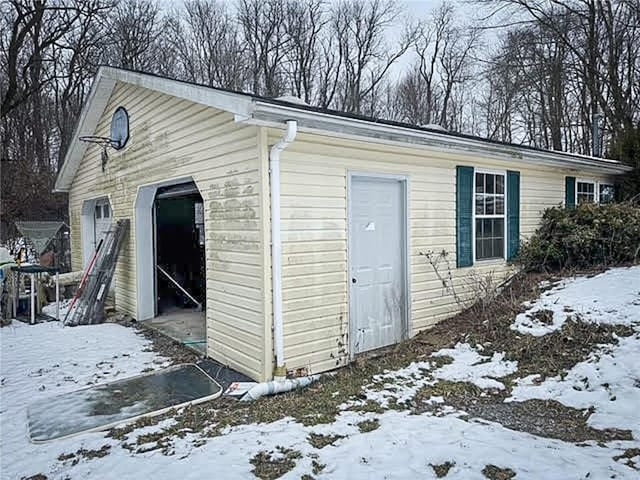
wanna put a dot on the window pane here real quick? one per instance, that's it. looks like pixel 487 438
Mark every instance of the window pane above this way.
pixel 497 247
pixel 479 204
pixel 585 198
pixel 489 238
pixel 479 182
pixel 499 205
pixel 487 228
pixel 500 184
pixel 98 211
pixel 490 183
pixel 489 205
pixel 106 211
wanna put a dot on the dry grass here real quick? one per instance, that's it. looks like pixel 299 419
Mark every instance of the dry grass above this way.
pixel 496 473
pixel 484 324
pixel 269 466
pixel 320 441
pixel 368 425
pixel 442 470
pixel 83 453
pixel 628 456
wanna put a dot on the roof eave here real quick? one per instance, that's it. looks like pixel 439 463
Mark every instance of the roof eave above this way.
pixel 270 114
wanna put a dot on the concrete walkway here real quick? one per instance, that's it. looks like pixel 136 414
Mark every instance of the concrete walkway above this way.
pixel 185 326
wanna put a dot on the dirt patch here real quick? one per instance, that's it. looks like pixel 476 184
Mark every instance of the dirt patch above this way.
pixel 317 467
pixel 628 456
pixel 270 465
pixel 546 418
pixel 320 441
pixel 75 458
pixel 485 324
pixel 368 425
pixel 496 473
pixel 442 470
pixel 545 317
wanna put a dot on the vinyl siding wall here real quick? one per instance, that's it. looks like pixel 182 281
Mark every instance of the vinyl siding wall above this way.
pixel 172 139
pixel 314 232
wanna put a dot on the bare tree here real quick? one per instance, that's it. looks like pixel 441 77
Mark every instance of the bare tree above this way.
pixel 263 28
pixel 134 31
pixel 433 90
pixel 364 56
pixel 304 22
pixel 207 44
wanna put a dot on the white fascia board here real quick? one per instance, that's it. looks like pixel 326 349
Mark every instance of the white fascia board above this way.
pixel 235 103
pixel 268 114
pixel 89 117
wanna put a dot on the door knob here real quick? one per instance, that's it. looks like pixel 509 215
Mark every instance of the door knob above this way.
pixel 353 280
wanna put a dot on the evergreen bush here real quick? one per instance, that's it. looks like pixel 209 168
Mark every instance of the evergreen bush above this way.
pixel 587 236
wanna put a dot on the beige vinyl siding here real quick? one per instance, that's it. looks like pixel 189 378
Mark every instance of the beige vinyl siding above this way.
pixel 173 139
pixel 314 231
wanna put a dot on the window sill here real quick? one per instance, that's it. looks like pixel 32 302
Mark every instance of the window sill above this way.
pixel 490 261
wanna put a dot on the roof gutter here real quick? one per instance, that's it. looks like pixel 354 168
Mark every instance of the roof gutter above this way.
pixel 270 114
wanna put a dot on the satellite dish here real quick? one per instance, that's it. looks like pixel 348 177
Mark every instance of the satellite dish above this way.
pixel 119 128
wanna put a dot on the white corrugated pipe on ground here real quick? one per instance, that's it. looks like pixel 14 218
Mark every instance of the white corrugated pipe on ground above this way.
pixel 276 247
pixel 277 386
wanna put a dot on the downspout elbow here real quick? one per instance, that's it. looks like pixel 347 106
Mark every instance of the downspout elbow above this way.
pixel 276 247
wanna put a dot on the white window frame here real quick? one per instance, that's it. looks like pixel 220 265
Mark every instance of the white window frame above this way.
pixel 595 190
pixel 504 217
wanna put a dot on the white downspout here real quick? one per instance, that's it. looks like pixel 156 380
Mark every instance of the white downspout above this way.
pixel 280 371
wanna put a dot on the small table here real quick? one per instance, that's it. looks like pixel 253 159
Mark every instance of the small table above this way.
pixel 33 271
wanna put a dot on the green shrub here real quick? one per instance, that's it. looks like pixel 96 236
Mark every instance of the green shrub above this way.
pixel 586 236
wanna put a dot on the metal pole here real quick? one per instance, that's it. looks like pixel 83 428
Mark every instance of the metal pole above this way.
pixel 180 287
pixel 57 295
pixel 33 299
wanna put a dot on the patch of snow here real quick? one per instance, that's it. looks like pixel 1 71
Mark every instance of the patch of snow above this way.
pixel 47 359
pixel 50 309
pixel 612 297
pixel 469 366
pixel 401 385
pixel 608 381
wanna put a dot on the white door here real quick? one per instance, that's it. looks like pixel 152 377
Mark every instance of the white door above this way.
pixel 377 262
pixel 101 221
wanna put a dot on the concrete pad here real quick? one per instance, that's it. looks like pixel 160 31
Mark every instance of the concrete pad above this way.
pixel 184 326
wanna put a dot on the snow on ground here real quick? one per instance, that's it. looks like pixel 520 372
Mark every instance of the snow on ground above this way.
pixel 51 308
pixel 609 381
pixel 470 366
pixel 44 360
pixel 612 297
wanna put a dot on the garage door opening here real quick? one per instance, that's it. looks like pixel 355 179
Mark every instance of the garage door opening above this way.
pixel 180 258
pixel 179 273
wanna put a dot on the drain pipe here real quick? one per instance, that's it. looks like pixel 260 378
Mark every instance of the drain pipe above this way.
pixel 277 386
pixel 280 371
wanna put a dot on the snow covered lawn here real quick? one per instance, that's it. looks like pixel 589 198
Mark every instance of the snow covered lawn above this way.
pixel 392 441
